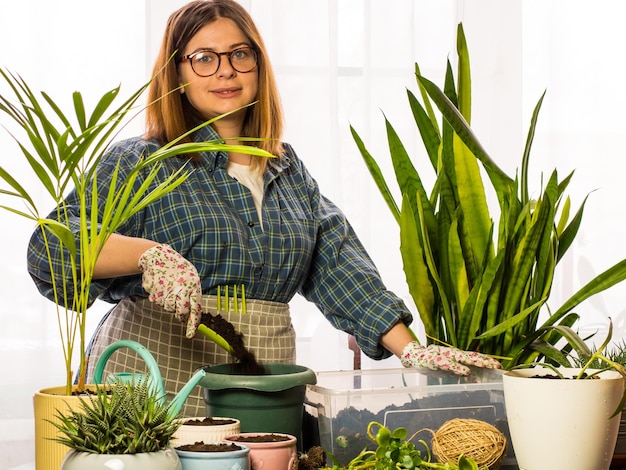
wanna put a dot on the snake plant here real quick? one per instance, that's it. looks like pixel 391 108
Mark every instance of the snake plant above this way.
pixel 62 150
pixel 478 283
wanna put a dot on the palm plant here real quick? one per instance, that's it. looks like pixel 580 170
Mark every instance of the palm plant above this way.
pixel 478 285
pixel 61 154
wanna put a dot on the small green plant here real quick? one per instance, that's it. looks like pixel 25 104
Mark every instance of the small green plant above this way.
pixel 590 362
pixel 395 451
pixel 121 418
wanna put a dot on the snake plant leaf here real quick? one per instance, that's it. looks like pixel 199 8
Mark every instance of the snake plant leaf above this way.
pixel 458 274
pixel 464 76
pixel 456 120
pixel 511 321
pixel 569 233
pixel 428 132
pixel 377 175
pixel 526 155
pixel 415 269
pixel 608 278
pixel 408 179
pixel 428 107
pixel 471 318
pixel 447 322
pixel 477 222
pixel 524 259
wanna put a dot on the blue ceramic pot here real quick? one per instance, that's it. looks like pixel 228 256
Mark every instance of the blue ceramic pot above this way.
pixel 231 460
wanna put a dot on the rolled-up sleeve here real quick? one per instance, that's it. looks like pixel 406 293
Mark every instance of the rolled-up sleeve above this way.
pixel 344 282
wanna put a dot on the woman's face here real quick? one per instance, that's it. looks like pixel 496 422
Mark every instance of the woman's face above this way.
pixel 225 90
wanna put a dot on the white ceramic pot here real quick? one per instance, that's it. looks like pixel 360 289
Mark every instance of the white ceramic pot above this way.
pixel 162 460
pixel 192 433
pixel 562 424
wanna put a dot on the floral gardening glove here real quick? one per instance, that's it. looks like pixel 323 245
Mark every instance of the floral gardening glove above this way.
pixel 173 283
pixel 436 357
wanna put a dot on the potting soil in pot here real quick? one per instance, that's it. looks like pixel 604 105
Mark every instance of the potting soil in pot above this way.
pixel 247 363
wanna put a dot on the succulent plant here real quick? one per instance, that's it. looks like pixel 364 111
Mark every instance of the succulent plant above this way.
pixel 120 418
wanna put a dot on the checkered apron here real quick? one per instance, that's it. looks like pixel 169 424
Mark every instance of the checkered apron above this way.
pixel 266 328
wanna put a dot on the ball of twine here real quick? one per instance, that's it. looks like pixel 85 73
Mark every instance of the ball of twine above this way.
pixel 472 438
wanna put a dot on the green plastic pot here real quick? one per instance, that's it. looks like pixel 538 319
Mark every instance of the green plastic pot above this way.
pixel 262 403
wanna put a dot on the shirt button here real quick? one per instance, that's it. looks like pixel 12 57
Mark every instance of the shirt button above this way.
pixel 250 224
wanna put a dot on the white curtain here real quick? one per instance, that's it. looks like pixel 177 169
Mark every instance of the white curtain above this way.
pixel 342 63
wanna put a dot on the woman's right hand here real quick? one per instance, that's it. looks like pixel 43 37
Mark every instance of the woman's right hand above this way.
pixel 173 283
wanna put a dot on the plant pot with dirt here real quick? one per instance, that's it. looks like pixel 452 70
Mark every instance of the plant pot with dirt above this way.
pixel 206 429
pixel 123 425
pixel 214 455
pixel 269 402
pixel 562 417
pixel 269 450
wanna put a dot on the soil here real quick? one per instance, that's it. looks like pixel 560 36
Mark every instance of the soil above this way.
pixel 208 421
pixel 260 438
pixel 247 363
pixel 202 447
pixel 550 376
pixel 314 459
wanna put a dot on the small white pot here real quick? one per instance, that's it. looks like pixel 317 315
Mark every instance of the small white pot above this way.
pixel 562 424
pixel 191 433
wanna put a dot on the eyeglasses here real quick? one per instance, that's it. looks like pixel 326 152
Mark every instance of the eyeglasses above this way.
pixel 206 63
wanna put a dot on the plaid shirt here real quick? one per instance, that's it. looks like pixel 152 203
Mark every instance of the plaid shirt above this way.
pixel 305 245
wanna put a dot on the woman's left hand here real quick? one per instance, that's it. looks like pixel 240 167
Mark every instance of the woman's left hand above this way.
pixel 445 358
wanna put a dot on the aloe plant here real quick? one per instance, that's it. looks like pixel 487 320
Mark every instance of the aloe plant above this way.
pixel 479 284
pixel 599 360
pixel 62 153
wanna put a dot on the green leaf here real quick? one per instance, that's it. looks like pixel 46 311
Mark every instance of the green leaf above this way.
pixel 428 131
pixel 460 126
pixel 465 81
pixel 415 268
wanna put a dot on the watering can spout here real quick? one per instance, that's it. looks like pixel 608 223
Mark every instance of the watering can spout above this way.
pixel 179 400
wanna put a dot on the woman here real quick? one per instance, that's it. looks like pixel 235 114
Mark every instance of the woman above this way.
pixel 248 223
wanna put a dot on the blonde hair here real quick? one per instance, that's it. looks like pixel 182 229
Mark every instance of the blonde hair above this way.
pixel 170 114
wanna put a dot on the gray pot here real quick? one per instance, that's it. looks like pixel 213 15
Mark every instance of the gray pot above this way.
pixel 162 460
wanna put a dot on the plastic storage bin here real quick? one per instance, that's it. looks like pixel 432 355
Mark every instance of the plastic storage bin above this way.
pixel 340 406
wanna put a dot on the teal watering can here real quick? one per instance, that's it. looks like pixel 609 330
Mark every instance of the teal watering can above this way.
pixel 155 377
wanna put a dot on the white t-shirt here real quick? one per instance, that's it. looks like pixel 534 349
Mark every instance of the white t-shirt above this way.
pixel 253 180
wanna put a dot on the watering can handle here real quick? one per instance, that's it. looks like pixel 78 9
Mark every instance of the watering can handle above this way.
pixel 155 373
